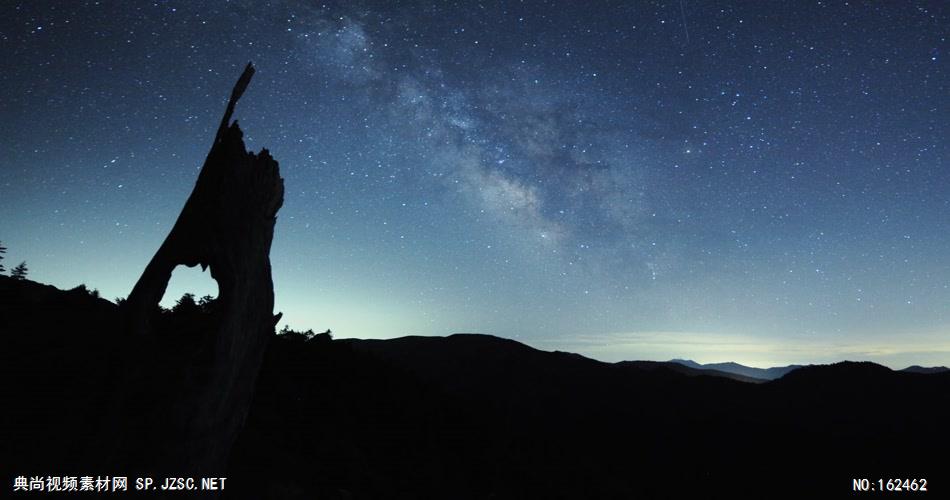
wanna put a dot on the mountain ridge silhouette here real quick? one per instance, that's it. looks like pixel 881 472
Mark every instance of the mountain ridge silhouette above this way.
pixel 770 373
pixel 477 416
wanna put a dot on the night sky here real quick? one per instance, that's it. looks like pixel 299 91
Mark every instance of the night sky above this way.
pixel 762 182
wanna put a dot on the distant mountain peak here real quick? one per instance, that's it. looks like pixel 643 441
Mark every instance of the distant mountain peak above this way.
pixel 925 369
pixel 686 362
pixel 739 369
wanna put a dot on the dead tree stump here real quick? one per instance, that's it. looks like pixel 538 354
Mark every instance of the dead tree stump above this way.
pixel 183 400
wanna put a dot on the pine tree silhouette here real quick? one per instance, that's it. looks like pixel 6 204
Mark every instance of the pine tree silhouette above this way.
pixel 20 271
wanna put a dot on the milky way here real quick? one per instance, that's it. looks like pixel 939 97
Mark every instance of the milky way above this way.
pixel 759 182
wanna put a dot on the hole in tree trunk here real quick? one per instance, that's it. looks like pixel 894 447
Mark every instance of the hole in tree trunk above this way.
pixel 189 280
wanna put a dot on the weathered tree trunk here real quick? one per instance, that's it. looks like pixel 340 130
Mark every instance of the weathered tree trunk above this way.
pixel 184 399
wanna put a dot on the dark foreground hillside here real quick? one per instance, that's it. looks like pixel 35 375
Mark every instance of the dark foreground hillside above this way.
pixel 474 416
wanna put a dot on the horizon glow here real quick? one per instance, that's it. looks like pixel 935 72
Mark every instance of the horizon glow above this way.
pixel 771 190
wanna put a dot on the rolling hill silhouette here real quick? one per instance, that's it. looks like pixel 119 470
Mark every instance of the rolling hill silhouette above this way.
pixel 925 369
pixel 476 416
pixel 737 369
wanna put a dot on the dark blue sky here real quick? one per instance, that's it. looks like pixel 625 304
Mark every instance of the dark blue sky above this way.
pixel 764 182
